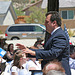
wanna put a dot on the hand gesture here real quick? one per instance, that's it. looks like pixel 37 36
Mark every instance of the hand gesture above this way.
pixel 28 51
pixel 20 46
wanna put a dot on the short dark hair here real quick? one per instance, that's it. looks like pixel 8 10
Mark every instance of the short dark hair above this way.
pixel 55 17
pixel 72 50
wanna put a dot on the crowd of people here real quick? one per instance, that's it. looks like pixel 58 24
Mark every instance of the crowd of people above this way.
pixel 57 55
pixel 16 61
pixel 19 64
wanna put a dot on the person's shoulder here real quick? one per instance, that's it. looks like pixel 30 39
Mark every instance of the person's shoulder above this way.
pixel 14 68
pixel 60 33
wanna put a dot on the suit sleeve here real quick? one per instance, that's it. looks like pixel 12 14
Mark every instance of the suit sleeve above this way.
pixel 58 45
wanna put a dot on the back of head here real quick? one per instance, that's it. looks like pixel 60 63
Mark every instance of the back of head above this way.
pixel 54 72
pixel 72 55
pixel 39 39
pixel 71 49
pixel 53 65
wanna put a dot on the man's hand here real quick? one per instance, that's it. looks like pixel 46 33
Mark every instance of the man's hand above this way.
pixel 20 46
pixel 25 49
pixel 28 51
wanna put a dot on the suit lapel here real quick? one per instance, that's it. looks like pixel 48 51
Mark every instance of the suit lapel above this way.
pixel 54 34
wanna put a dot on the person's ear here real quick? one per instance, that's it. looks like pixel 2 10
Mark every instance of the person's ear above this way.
pixel 54 23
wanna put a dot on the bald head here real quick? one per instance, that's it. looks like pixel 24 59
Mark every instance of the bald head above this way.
pixel 53 65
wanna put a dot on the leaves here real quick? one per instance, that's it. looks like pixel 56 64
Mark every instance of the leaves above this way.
pixel 37 15
pixel 19 12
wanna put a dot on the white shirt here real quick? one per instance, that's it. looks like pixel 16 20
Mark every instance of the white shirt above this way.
pixel 30 63
pixel 54 30
pixel 9 68
pixel 20 71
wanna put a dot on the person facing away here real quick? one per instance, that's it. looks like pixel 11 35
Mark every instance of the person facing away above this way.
pixel 54 72
pixel 32 64
pixel 72 57
pixel 38 44
pixel 53 65
pixel 57 46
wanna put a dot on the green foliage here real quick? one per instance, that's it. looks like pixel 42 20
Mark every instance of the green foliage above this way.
pixel 36 16
pixel 71 33
pixel 20 1
pixel 32 1
pixel 19 12
pixel 1 32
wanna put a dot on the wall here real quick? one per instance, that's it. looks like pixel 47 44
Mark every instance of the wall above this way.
pixel 8 19
pixel 70 24
pixel 3 28
pixel 1 19
pixel 64 9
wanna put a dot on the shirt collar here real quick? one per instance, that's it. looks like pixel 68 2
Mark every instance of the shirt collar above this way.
pixel 54 30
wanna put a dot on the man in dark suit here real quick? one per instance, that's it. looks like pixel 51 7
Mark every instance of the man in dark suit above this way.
pixel 57 46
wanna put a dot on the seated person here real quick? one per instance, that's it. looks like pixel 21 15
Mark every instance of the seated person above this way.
pixel 53 65
pixel 32 64
pixel 72 57
pixel 2 64
pixel 9 65
pixel 2 60
pixel 18 67
pixel 9 54
pixel 54 72
pixel 38 44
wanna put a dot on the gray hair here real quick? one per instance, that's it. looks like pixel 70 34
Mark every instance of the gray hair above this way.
pixel 54 72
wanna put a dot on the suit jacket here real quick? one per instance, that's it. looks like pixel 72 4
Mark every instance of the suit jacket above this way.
pixel 57 47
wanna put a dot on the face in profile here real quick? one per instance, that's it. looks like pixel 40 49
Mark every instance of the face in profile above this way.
pixel 11 47
pixel 48 24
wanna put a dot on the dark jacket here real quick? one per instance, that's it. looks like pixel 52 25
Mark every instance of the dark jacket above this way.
pixel 57 47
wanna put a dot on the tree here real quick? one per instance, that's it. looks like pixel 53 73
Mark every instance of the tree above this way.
pixel 20 4
pixel 19 12
pixel 20 1
pixel 37 15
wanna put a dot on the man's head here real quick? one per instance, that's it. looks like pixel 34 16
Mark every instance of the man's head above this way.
pixel 54 72
pixel 39 39
pixel 53 65
pixel 53 20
